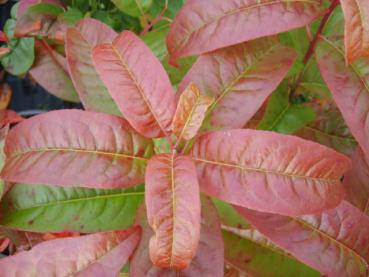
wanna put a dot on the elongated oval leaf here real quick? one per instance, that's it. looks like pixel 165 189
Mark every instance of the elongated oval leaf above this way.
pixel 25 4
pixel 251 253
pixel 78 46
pixel 217 24
pixel 209 259
pixel 50 71
pixel 40 208
pixel 101 254
pixel 335 242
pixel 173 210
pixel 349 86
pixel 356 182
pixel 270 172
pixel 190 112
pixel 356 14
pixel 240 78
pixel 70 147
pixel 138 83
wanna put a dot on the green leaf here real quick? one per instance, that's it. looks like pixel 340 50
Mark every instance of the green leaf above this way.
pixel 228 216
pixel 133 7
pixel 22 55
pixel 285 117
pixel 71 16
pixel 40 208
pixel 252 254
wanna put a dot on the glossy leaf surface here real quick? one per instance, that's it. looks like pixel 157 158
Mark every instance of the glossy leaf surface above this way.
pixel 349 86
pixel 138 83
pixel 240 78
pixel 190 113
pixel 173 210
pixel 101 254
pixel 335 242
pixel 50 71
pixel 217 24
pixel 356 182
pixel 79 44
pixel 70 147
pixel 40 208
pixel 209 259
pixel 266 171
pixel 356 14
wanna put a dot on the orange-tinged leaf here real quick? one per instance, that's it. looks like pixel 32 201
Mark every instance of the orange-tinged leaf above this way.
pixel 209 258
pixel 100 254
pixel 173 210
pixel 4 51
pixel 9 117
pixel 78 46
pixel 269 172
pixel 190 113
pixel 356 14
pixel 202 26
pixel 138 83
pixel 5 95
pixel 240 78
pixel 356 182
pixel 336 242
pixel 69 147
pixel 51 72
pixel 3 37
pixel 349 86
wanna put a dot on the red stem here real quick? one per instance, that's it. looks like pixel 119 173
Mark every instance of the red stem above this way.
pixel 324 21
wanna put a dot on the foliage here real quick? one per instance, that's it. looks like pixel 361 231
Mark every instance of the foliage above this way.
pixel 257 165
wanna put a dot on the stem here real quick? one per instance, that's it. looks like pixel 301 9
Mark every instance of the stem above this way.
pixel 324 21
pixel 156 20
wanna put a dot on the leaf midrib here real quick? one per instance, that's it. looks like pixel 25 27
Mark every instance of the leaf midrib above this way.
pixel 234 11
pixel 264 171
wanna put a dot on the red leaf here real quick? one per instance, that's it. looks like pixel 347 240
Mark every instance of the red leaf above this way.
pixel 50 71
pixel 202 26
pixel 356 14
pixel 240 78
pixel 335 242
pixel 349 87
pixel 3 37
pixel 73 147
pixel 356 182
pixel 100 254
pixel 269 172
pixel 9 117
pixel 4 51
pixel 138 83
pixel 209 259
pixel 79 43
pixel 173 210
pixel 190 113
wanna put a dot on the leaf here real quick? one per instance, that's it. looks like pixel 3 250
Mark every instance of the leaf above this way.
pixel 3 37
pixel 5 95
pixel 240 78
pixel 39 20
pixel 219 24
pixel 251 253
pixel 138 83
pixel 25 4
pixel 283 116
pixel 209 259
pixel 73 147
pixel 4 51
pixel 78 46
pixel 173 210
pixel 356 182
pixel 269 172
pixel 334 242
pixel 9 117
pixel 21 57
pixel 101 254
pixel 50 71
pixel 190 113
pixel 349 86
pixel 356 14
pixel 72 16
pixel 39 208
pixel 134 8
